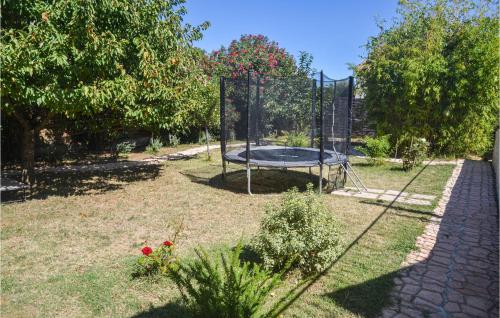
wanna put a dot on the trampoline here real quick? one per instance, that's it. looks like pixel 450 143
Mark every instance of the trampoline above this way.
pixel 287 122
pixel 284 157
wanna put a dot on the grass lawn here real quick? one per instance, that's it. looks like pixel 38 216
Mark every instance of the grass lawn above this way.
pixel 68 252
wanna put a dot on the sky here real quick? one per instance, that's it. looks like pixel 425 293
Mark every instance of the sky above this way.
pixel 333 31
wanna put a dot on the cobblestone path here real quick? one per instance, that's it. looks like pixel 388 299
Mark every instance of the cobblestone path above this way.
pixel 454 271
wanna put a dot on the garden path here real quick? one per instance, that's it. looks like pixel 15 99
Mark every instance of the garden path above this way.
pixel 387 195
pixel 454 270
pixel 128 164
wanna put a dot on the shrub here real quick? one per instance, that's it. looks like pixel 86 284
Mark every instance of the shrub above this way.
pixel 156 261
pixel 299 230
pixel 174 141
pixel 415 153
pixel 202 139
pixel 376 149
pixel 228 288
pixel 154 146
pixel 297 140
pixel 124 148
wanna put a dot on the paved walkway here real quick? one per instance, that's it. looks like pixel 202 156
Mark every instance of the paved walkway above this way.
pixel 434 162
pixel 129 164
pixel 454 271
pixel 387 195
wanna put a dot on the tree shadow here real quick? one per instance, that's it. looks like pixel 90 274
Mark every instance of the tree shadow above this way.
pixel 172 309
pixel 366 299
pixel 89 182
pixel 401 208
pixel 263 181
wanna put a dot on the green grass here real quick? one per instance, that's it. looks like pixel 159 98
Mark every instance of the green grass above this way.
pixel 68 251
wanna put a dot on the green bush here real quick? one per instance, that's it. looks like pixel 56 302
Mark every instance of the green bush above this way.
pixel 124 148
pixel 174 141
pixel 156 261
pixel 376 149
pixel 297 140
pixel 415 153
pixel 202 139
pixel 154 146
pixel 227 288
pixel 299 230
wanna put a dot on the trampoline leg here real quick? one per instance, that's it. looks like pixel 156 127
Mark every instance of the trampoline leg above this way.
pixel 320 178
pixel 249 189
pixel 223 169
pixel 356 175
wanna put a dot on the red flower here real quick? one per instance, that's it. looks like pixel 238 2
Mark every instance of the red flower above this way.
pixel 146 250
pixel 168 243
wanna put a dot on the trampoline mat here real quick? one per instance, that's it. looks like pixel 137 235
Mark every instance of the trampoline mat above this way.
pixel 279 156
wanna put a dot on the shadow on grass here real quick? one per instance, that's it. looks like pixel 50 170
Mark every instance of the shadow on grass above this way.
pixel 172 309
pixel 365 299
pixel 400 208
pixel 89 182
pixel 264 181
pixel 248 254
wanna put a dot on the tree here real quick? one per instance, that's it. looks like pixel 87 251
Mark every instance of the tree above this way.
pixel 252 52
pixel 203 110
pixel 434 74
pixel 83 58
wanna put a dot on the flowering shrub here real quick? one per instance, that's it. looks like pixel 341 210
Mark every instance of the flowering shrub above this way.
pixel 156 261
pixel 299 230
pixel 251 52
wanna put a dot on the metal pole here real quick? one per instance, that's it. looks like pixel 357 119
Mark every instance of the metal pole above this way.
pixel 257 112
pixel 349 114
pixel 321 136
pixel 349 120
pixel 248 136
pixel 313 113
pixel 223 123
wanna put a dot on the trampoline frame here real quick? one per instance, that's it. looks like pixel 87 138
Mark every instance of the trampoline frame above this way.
pixel 342 159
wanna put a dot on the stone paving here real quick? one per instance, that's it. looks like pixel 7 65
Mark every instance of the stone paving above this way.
pixel 387 195
pixel 128 164
pixel 425 162
pixel 454 270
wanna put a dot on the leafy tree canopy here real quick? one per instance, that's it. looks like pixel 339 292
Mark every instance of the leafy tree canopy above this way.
pixel 434 74
pixel 252 52
pixel 133 59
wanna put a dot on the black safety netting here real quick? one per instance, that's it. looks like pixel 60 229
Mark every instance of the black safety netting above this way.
pixel 276 121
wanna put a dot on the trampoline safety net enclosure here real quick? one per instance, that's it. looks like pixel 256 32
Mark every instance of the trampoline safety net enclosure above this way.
pixel 285 122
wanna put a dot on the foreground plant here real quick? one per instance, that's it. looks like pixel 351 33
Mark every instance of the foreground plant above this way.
pixel 228 287
pixel 156 261
pixel 299 230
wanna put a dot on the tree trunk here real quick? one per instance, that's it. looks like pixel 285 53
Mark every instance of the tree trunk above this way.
pixel 208 145
pixel 28 156
pixel 27 148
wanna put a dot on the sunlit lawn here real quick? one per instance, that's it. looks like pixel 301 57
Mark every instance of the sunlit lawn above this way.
pixel 68 251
